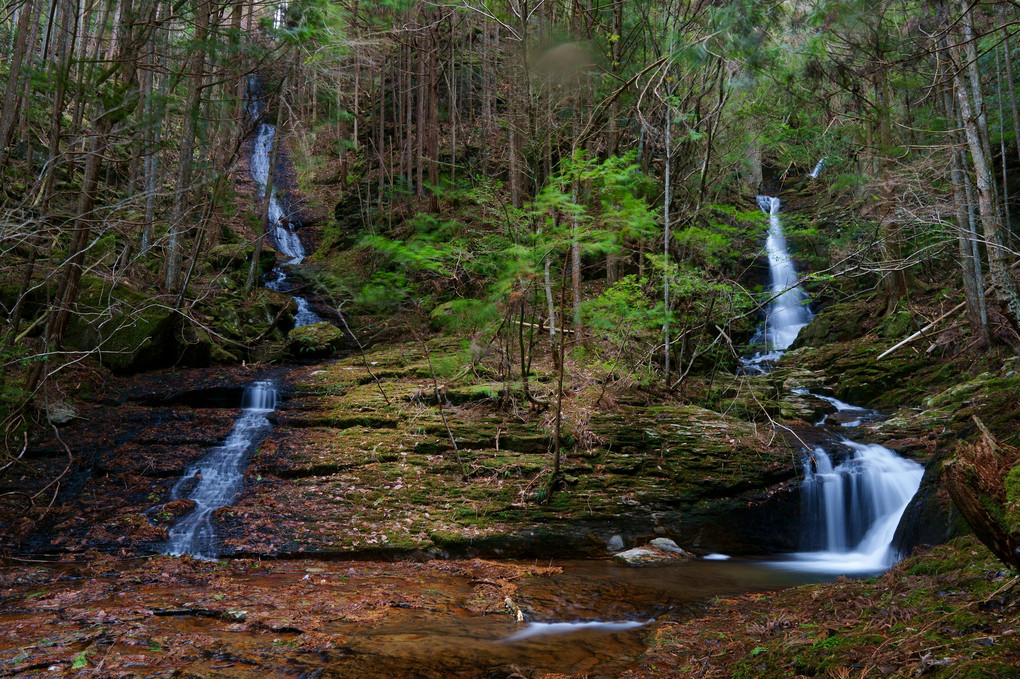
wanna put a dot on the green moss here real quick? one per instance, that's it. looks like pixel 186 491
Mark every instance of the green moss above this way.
pixel 896 325
pixel 315 341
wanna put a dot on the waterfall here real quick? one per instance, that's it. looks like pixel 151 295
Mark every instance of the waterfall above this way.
pixel 277 280
pixel 788 312
pixel 216 478
pixel 286 240
pixel 850 510
pixel 284 237
pixel 813 174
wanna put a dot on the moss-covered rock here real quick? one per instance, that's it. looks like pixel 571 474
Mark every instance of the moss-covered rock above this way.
pixel 129 330
pixel 317 340
pixel 237 257
pixel 262 317
pixel 836 323
pixel 896 325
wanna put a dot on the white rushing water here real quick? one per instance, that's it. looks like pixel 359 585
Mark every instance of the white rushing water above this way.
pixel 788 312
pixel 537 629
pixel 813 174
pixel 847 415
pixel 287 241
pixel 277 280
pixel 218 476
pixel 850 510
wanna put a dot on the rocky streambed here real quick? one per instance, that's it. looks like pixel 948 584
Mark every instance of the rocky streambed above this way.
pixel 346 547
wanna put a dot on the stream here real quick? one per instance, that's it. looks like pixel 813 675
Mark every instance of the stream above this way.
pixel 214 481
pixel 853 494
pixel 593 617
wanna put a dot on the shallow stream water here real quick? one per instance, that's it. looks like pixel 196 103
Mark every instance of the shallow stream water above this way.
pixel 362 619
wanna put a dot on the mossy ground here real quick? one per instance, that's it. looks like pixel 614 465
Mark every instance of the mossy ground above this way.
pixel 356 464
pixel 951 612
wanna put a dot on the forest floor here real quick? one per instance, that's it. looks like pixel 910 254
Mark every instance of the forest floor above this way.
pixel 950 612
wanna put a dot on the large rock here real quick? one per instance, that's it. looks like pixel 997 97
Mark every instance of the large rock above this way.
pixel 837 323
pixel 317 340
pixel 263 317
pixel 129 332
pixel 657 552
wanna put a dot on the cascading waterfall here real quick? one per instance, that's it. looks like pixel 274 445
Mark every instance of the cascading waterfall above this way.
pixel 277 280
pixel 215 480
pixel 284 237
pixel 788 311
pixel 287 241
pixel 813 174
pixel 217 477
pixel 850 509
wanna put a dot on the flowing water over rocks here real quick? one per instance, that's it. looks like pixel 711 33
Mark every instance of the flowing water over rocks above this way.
pixel 288 243
pixel 788 311
pixel 214 481
pixel 850 508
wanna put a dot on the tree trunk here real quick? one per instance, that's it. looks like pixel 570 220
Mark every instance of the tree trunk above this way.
pixel 186 165
pixel 972 285
pixel 12 99
pixel 998 262
pixel 1009 80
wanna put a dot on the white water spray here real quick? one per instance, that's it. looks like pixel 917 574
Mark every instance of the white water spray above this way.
pixel 537 629
pixel 850 510
pixel 287 241
pixel 788 311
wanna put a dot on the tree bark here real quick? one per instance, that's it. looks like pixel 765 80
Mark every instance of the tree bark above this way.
pixel 185 167
pixel 1002 277
pixel 973 288
pixel 12 99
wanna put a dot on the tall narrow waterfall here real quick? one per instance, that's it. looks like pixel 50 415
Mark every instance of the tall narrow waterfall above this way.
pixel 279 226
pixel 287 241
pixel 787 312
pixel 216 478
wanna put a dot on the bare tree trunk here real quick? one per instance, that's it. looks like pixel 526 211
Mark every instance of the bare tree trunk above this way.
pixel 972 285
pixel 12 98
pixel 1009 80
pixel 1002 277
pixel 186 165
pixel 667 196
pixel 1002 145
pixel 433 121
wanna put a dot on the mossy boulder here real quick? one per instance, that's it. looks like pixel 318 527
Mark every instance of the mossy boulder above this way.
pixel 237 256
pixel 930 518
pixel 837 323
pixel 896 325
pixel 317 340
pixel 265 316
pixel 129 332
